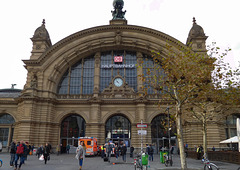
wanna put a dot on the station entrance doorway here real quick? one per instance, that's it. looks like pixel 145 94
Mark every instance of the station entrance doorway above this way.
pixel 118 130
pixel 72 127
pixel 160 133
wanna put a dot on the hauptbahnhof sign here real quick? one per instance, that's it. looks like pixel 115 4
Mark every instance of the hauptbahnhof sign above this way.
pixel 118 66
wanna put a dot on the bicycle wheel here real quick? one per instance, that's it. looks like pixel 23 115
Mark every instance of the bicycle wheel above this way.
pixel 206 167
pixel 213 167
pixel 166 163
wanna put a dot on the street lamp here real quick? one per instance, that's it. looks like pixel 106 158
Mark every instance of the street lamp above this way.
pixel 169 137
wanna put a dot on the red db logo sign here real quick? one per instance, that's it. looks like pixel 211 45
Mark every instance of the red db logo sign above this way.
pixel 118 59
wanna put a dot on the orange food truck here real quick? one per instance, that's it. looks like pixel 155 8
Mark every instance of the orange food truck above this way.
pixel 91 145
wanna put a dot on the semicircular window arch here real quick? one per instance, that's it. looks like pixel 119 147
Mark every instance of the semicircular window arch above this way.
pixel 6 119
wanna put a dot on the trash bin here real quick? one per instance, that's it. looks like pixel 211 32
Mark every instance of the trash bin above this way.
pixel 162 153
pixel 144 159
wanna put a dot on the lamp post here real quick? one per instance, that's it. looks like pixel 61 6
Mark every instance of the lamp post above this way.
pixel 169 137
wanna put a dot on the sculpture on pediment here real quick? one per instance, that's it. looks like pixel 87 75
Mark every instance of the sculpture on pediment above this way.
pixel 118 13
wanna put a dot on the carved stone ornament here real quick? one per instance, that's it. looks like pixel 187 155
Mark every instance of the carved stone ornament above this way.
pixel 118 37
pixel 33 83
pixel 117 89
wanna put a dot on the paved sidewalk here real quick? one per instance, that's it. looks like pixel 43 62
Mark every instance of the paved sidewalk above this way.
pixel 68 162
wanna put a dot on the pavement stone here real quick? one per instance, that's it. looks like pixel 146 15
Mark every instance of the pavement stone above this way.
pixel 68 162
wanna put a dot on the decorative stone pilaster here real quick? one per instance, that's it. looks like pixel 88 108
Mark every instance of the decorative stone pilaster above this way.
pixel 140 72
pixel 97 74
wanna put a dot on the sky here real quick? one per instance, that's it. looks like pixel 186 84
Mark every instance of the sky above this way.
pixel 20 18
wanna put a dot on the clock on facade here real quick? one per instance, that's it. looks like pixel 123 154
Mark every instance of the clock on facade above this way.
pixel 118 82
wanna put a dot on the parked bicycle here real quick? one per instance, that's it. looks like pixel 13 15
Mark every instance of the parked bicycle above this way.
pixel 168 160
pixel 138 163
pixel 208 165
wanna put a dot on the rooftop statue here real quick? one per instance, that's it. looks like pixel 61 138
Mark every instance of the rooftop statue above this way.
pixel 118 13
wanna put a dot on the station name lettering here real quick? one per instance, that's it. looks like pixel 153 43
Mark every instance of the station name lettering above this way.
pixel 118 66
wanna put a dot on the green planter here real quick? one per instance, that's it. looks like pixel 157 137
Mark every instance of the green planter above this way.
pixel 144 159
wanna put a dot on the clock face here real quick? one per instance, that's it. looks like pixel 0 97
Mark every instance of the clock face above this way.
pixel 118 82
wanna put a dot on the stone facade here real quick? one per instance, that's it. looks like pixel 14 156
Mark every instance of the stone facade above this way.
pixel 40 110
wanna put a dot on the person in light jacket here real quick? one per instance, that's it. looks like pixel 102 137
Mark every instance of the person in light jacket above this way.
pixel 80 155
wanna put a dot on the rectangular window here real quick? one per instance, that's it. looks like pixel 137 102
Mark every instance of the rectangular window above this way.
pixel 4 136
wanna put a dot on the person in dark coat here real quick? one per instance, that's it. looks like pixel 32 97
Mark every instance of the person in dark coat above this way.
pixel 151 151
pixel 131 151
pixel 12 153
pixel 124 151
pixel 46 151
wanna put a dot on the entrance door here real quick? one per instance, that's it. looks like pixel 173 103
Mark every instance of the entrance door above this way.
pixel 118 130
pixel 72 127
pixel 160 134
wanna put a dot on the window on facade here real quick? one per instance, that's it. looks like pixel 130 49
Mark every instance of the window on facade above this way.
pixel 148 72
pixel 78 79
pixel 128 73
pixel 6 119
pixel 231 129
pixel 4 136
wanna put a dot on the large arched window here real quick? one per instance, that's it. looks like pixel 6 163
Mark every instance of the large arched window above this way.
pixel 118 130
pixel 126 67
pixel 72 127
pixel 78 79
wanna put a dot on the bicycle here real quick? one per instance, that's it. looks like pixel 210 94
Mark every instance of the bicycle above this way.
pixel 138 163
pixel 168 160
pixel 208 165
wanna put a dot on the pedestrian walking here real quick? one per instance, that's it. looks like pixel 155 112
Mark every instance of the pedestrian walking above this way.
pixel 68 148
pixel 58 149
pixel 124 151
pixel 199 152
pixel 26 151
pixel 131 151
pixel 80 155
pixel 116 151
pixel 102 151
pixel 39 151
pixel 151 151
pixel 109 151
pixel 46 153
pixel 12 153
pixel 19 155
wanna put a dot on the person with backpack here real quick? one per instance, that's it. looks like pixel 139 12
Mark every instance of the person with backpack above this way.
pixel 19 155
pixel 12 153
pixel 151 151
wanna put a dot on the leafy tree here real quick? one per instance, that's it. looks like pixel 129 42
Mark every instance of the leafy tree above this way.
pixel 177 74
pixel 212 102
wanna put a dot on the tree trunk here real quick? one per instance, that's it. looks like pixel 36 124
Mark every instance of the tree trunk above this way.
pixel 204 137
pixel 180 138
